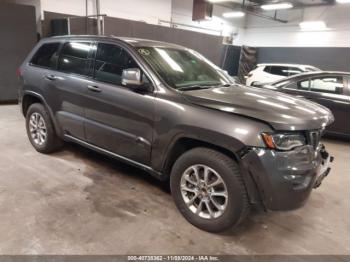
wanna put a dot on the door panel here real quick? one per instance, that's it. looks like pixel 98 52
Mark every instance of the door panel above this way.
pixel 66 100
pixel 330 91
pixel 120 121
pixel 67 84
pixel 117 118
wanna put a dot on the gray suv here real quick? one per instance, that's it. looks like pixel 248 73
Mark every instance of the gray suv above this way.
pixel 169 111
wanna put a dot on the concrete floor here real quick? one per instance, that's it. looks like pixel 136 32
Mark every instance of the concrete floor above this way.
pixel 78 202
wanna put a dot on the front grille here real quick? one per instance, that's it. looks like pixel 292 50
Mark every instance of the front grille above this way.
pixel 314 138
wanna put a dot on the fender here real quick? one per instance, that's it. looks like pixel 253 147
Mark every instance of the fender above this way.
pixel 42 99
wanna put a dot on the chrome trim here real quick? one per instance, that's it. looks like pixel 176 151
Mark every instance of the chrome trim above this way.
pixel 114 155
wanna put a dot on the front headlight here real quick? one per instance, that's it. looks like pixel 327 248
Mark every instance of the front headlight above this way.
pixel 283 141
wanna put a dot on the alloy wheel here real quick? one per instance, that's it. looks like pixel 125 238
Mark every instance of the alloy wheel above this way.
pixel 37 129
pixel 204 191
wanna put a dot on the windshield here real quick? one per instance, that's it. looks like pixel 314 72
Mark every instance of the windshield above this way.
pixel 181 68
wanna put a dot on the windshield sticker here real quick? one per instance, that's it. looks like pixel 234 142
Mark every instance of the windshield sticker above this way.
pixel 143 51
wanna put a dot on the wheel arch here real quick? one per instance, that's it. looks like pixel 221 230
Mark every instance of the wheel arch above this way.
pixel 183 144
pixel 29 98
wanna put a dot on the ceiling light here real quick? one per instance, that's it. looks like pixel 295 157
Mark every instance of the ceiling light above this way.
pixel 343 1
pixel 233 14
pixel 313 25
pixel 277 6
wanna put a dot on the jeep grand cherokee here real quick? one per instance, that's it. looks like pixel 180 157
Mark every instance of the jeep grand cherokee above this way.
pixel 168 110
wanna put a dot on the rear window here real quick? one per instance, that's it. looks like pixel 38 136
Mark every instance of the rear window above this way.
pixel 74 58
pixel 46 56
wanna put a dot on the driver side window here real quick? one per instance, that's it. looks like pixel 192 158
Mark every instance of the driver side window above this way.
pixel 110 62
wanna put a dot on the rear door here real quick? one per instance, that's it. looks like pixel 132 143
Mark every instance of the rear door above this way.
pixel 66 86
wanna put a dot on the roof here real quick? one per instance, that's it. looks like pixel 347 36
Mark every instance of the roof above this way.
pixel 311 74
pixel 284 64
pixel 136 42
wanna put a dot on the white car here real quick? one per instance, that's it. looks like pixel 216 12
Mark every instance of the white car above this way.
pixel 267 73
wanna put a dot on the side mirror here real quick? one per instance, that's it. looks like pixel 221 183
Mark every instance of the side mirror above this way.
pixel 132 78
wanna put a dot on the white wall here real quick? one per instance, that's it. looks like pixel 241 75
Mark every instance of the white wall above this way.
pixel 261 32
pixel 141 10
pixel 153 11
pixel 252 31
pixel 182 14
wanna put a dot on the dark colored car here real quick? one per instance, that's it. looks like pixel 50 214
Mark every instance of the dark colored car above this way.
pixel 168 110
pixel 330 89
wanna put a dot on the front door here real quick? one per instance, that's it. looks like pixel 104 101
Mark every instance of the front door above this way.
pixel 118 119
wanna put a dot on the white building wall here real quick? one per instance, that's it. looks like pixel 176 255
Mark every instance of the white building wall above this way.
pixel 149 11
pixel 182 14
pixel 261 32
pixel 160 12
pixel 251 31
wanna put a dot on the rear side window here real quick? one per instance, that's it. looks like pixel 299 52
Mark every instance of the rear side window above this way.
pixel 75 59
pixel 110 62
pixel 328 84
pixel 46 56
pixel 279 70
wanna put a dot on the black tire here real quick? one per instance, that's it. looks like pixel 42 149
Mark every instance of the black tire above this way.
pixel 52 143
pixel 237 201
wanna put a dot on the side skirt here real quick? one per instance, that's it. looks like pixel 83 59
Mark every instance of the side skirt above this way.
pixel 146 168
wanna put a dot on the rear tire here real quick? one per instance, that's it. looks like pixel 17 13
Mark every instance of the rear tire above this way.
pixel 40 130
pixel 217 212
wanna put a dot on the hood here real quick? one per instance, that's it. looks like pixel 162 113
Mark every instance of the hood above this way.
pixel 281 111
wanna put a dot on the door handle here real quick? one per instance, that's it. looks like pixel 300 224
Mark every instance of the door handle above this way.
pixel 51 77
pixel 94 88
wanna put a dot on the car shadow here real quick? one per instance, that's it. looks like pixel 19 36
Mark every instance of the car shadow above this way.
pixel 118 188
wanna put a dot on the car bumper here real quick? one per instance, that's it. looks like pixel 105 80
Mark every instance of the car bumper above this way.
pixel 284 180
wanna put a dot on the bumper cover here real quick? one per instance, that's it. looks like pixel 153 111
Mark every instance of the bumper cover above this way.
pixel 285 179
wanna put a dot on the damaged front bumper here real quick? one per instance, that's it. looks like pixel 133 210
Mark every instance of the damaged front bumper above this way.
pixel 285 179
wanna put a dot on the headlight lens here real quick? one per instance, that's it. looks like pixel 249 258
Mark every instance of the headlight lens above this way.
pixel 284 141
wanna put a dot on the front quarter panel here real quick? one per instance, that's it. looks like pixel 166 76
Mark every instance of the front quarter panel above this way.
pixel 176 118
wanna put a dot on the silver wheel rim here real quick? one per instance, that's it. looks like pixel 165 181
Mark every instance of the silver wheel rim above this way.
pixel 37 129
pixel 204 191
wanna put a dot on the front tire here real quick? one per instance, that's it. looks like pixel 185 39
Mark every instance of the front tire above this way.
pixel 40 130
pixel 208 190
